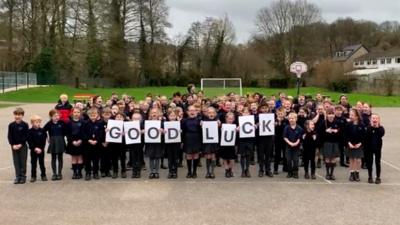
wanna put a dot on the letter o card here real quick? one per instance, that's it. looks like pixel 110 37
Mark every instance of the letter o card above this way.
pixel 266 124
pixel 132 132
pixel 210 132
pixel 152 132
pixel 173 132
pixel 228 134
pixel 114 133
pixel 247 129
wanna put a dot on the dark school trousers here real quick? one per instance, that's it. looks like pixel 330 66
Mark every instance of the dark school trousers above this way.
pixel 309 159
pixel 172 150
pixel 292 159
pixel 34 160
pixel 92 157
pixel 264 148
pixel 19 159
pixel 369 158
pixel 279 150
pixel 136 156
pixel 118 155
pixel 105 159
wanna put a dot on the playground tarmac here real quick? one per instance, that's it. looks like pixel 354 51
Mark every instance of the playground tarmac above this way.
pixel 236 200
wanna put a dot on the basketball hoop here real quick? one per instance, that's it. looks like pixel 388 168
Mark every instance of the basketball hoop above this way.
pixel 298 68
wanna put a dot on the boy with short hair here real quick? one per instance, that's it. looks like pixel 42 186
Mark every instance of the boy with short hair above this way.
pixel 37 137
pixel 93 131
pixel 292 135
pixel 17 137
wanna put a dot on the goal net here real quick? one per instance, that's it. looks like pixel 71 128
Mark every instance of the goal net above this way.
pixel 221 86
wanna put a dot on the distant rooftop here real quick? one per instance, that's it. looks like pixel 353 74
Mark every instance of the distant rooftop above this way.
pixel 346 52
pixel 381 54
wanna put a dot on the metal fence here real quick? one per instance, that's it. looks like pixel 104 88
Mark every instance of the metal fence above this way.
pixel 11 81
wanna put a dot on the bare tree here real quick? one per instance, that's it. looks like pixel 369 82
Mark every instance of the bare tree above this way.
pixel 281 25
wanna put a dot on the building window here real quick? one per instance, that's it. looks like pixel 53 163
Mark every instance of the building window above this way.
pixel 383 61
pixel 368 62
pixel 374 62
pixel 356 63
pixel 361 63
pixel 388 60
pixel 398 60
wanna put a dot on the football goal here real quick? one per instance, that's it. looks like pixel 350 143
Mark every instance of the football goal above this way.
pixel 221 86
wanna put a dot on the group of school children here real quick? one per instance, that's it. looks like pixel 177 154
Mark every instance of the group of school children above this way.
pixel 313 130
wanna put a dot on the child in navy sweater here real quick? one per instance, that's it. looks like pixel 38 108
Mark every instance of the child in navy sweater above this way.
pixel 93 131
pixel 373 147
pixel 309 141
pixel 57 131
pixel 37 141
pixel 17 137
pixel 75 142
pixel 292 135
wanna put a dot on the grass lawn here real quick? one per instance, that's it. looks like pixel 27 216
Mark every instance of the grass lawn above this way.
pixel 50 94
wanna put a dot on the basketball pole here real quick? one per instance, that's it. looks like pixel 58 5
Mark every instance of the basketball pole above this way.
pixel 298 86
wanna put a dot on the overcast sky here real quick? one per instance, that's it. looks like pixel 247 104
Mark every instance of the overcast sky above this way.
pixel 243 12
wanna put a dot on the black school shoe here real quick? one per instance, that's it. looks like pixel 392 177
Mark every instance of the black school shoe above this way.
pixel 357 176
pixel 22 180
pixel 378 180
pixel 296 175
pixel 54 177
pixel 59 177
pixel 269 174
pixel 156 176
pixel 17 180
pixel 212 175
pixel 370 180
pixel 151 176
pixel 33 179
pixel 227 175
pixel 289 175
pixel 260 173
pixel 123 175
pixel 189 175
pixel 194 175
pixel 88 177
pixel 96 176
pixel 306 176
pixel 44 178
pixel 230 173
pixel 352 177
pixel 313 177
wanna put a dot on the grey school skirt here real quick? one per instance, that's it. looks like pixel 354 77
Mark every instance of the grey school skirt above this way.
pixel 330 150
pixel 354 153
pixel 56 145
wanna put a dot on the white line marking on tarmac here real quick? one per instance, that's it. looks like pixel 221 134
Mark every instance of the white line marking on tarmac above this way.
pixel 391 165
pixel 323 178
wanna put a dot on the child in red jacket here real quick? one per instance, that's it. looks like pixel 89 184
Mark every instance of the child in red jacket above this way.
pixel 64 108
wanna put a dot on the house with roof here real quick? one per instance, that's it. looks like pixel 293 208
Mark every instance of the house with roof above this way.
pixel 378 72
pixel 376 63
pixel 346 56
